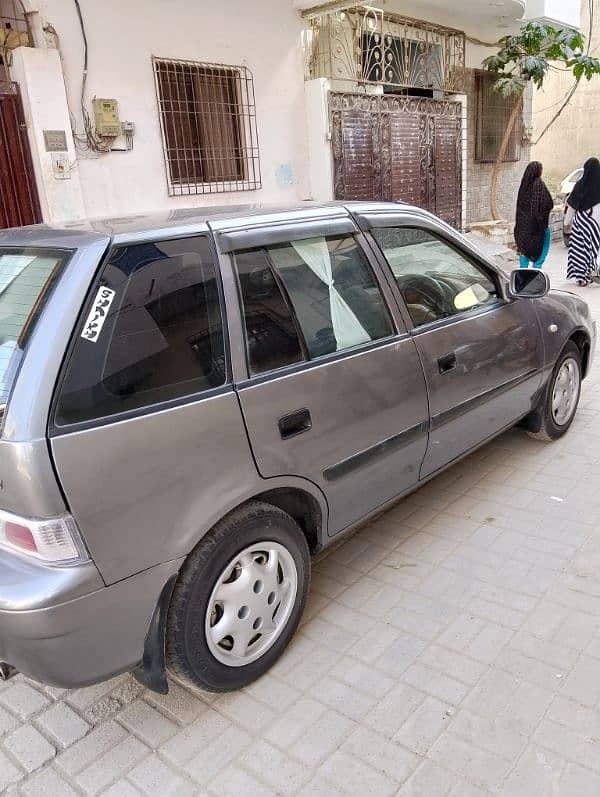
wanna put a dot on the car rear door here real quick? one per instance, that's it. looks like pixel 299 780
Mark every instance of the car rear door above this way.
pixel 482 354
pixel 329 380
pixel 147 435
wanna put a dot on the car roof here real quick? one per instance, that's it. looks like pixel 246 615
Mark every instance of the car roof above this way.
pixel 181 221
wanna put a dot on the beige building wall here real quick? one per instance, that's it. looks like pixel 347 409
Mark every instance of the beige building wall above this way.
pixel 574 136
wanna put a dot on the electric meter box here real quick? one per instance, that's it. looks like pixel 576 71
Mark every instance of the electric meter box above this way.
pixel 106 118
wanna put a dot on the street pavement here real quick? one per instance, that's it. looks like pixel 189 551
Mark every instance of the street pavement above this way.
pixel 452 647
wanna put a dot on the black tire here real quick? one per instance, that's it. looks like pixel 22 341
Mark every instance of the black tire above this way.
pixel 188 653
pixel 549 429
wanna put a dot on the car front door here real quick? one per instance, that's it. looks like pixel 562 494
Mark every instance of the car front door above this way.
pixel 330 382
pixel 482 354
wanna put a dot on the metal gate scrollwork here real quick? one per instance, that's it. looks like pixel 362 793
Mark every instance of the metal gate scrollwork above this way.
pixel 395 148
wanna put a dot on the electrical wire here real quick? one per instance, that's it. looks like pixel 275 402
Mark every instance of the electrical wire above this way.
pixel 88 141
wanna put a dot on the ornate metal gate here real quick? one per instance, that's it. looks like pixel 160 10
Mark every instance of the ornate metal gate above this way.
pixel 19 203
pixel 398 148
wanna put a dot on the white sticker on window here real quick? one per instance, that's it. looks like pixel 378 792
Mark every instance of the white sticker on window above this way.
pixel 98 313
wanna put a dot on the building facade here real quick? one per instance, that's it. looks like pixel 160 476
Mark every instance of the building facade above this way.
pixel 574 136
pixel 172 105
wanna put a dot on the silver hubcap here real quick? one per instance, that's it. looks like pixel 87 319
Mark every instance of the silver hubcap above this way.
pixel 251 603
pixel 565 393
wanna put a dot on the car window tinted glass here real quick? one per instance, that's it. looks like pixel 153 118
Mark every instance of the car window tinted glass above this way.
pixel 435 279
pixel 24 277
pixel 272 338
pixel 333 291
pixel 152 333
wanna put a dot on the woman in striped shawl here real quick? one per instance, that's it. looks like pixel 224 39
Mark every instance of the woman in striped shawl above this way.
pixel 583 217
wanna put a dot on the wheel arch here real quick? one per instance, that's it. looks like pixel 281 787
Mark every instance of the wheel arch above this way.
pixel 305 505
pixel 583 342
pixel 302 507
pixel 300 498
pixel 581 339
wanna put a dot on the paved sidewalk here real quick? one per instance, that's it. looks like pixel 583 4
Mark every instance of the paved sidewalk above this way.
pixel 450 648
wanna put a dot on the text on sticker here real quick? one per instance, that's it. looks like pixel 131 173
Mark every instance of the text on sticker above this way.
pixel 98 313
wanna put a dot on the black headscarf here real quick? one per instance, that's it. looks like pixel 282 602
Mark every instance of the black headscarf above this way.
pixel 586 193
pixel 534 205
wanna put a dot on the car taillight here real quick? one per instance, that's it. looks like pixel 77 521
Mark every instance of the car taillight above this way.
pixel 54 540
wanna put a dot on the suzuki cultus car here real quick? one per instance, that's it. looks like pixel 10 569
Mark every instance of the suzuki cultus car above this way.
pixel 194 405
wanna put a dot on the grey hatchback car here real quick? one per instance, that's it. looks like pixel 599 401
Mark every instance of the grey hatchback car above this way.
pixel 193 405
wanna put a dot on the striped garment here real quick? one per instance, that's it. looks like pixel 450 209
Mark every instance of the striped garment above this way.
pixel 584 246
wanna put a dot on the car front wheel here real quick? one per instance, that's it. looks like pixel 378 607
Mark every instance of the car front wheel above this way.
pixel 562 395
pixel 238 599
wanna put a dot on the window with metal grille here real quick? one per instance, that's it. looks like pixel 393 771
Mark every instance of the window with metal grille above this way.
pixel 208 121
pixel 493 111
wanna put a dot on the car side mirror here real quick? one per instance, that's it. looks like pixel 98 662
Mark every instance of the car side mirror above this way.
pixel 528 283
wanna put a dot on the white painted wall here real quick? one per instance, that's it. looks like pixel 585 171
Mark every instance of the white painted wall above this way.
pixel 319 139
pixel 123 35
pixel 40 78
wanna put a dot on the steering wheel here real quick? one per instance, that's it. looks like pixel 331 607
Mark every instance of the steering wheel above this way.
pixel 429 291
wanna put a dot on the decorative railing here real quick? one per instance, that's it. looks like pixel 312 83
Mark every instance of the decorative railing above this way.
pixel 371 46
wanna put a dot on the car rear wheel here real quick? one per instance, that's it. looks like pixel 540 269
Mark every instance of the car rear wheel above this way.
pixel 562 396
pixel 238 599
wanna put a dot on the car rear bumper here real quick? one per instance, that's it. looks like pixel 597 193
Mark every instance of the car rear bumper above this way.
pixel 54 631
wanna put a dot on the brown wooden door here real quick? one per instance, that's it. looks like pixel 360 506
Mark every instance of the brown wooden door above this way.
pixel 355 141
pixel 398 149
pixel 448 169
pixel 405 135
pixel 19 202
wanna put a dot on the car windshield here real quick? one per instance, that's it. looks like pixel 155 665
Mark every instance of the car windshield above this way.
pixel 25 275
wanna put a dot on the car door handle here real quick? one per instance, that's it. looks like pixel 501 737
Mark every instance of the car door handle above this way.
pixel 447 363
pixel 294 424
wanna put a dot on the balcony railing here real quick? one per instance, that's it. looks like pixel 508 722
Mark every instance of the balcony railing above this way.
pixel 370 46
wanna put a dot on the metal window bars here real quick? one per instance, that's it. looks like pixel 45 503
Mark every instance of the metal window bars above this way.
pixel 208 123
pixel 492 115
pixel 371 46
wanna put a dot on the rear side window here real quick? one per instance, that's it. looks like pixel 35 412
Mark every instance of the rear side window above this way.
pixel 326 296
pixel 272 337
pixel 152 333
pixel 25 276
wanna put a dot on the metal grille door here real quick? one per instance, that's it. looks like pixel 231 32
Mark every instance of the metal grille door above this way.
pixel 356 143
pixel 448 169
pixel 398 149
pixel 19 202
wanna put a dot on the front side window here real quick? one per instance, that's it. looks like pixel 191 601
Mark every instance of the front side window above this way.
pixel 331 298
pixel 208 122
pixel 152 333
pixel 436 280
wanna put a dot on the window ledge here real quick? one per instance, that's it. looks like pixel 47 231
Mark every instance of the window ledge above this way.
pixel 220 187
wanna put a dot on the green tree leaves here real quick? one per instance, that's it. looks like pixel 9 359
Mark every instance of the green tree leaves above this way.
pixel 530 54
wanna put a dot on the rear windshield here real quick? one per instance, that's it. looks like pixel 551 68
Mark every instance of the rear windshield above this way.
pixel 25 276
